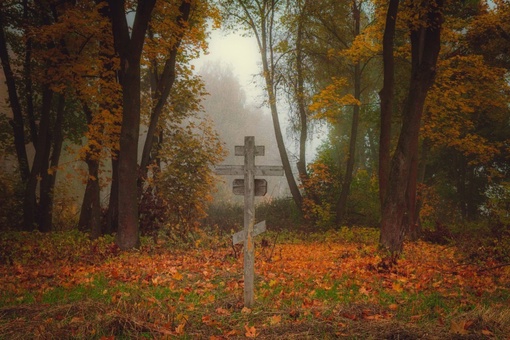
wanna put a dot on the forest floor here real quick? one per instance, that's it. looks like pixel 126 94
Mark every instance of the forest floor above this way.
pixel 323 286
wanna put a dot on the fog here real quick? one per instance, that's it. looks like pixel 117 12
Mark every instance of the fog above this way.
pixel 234 118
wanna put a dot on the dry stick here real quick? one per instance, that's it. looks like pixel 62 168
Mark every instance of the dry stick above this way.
pixel 492 268
pixel 233 248
pixel 274 245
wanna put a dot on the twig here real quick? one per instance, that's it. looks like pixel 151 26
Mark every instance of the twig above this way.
pixel 492 268
pixel 274 245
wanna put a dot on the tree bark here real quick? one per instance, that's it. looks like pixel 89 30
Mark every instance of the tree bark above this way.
pixel 49 177
pixel 412 223
pixel 17 120
pixel 164 84
pixel 387 95
pixel 94 221
pixel 30 208
pixel 90 213
pixel 425 46
pixel 291 181
pixel 268 67
pixel 129 47
pixel 351 157
pixel 300 97
pixel 347 179
pixel 112 216
pixel 414 234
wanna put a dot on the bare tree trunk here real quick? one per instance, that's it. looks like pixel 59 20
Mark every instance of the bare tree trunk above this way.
pixel 425 46
pixel 395 213
pixel 17 121
pixel 164 84
pixel 49 177
pixel 30 208
pixel 387 96
pixel 349 171
pixel 291 181
pixel 351 157
pixel 412 221
pixel 422 167
pixel 112 216
pixel 268 67
pixel 129 45
pixel 300 97
pixel 90 213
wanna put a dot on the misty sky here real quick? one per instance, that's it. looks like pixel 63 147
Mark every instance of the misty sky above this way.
pixel 242 55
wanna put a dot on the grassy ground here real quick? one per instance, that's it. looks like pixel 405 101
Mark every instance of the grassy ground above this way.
pixel 322 286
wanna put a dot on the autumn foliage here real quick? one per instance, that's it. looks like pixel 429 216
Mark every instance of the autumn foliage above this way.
pixel 103 138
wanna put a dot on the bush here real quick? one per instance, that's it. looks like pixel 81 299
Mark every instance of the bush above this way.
pixel 279 214
pixel 363 206
pixel 227 216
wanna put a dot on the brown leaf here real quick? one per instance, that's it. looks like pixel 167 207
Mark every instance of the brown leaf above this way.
pixel 251 332
pixel 180 329
pixel 275 319
pixel 222 311
pixel 487 332
pixel 458 327
pixel 349 316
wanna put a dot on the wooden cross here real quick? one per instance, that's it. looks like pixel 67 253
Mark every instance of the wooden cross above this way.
pixel 249 187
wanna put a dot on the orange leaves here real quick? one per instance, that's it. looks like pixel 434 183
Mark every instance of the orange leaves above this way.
pixel 397 287
pixel 466 89
pixel 334 280
pixel 222 311
pixel 251 332
pixel 274 320
pixel 177 276
pixel 332 100
pixel 179 330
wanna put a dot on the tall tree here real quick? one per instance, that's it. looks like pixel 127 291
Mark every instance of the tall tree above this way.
pixel 356 77
pixel 261 17
pixel 345 85
pixel 296 74
pixel 387 96
pixel 43 86
pixel 14 100
pixel 162 82
pixel 464 117
pixel 399 203
pixel 129 46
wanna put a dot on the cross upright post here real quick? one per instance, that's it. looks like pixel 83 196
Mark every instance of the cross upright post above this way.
pixel 249 218
pixel 249 187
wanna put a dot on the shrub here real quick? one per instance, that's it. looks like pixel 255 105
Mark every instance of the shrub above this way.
pixel 279 214
pixel 363 206
pixel 227 216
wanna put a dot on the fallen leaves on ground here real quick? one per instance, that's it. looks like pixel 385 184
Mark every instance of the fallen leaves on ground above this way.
pixel 199 291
